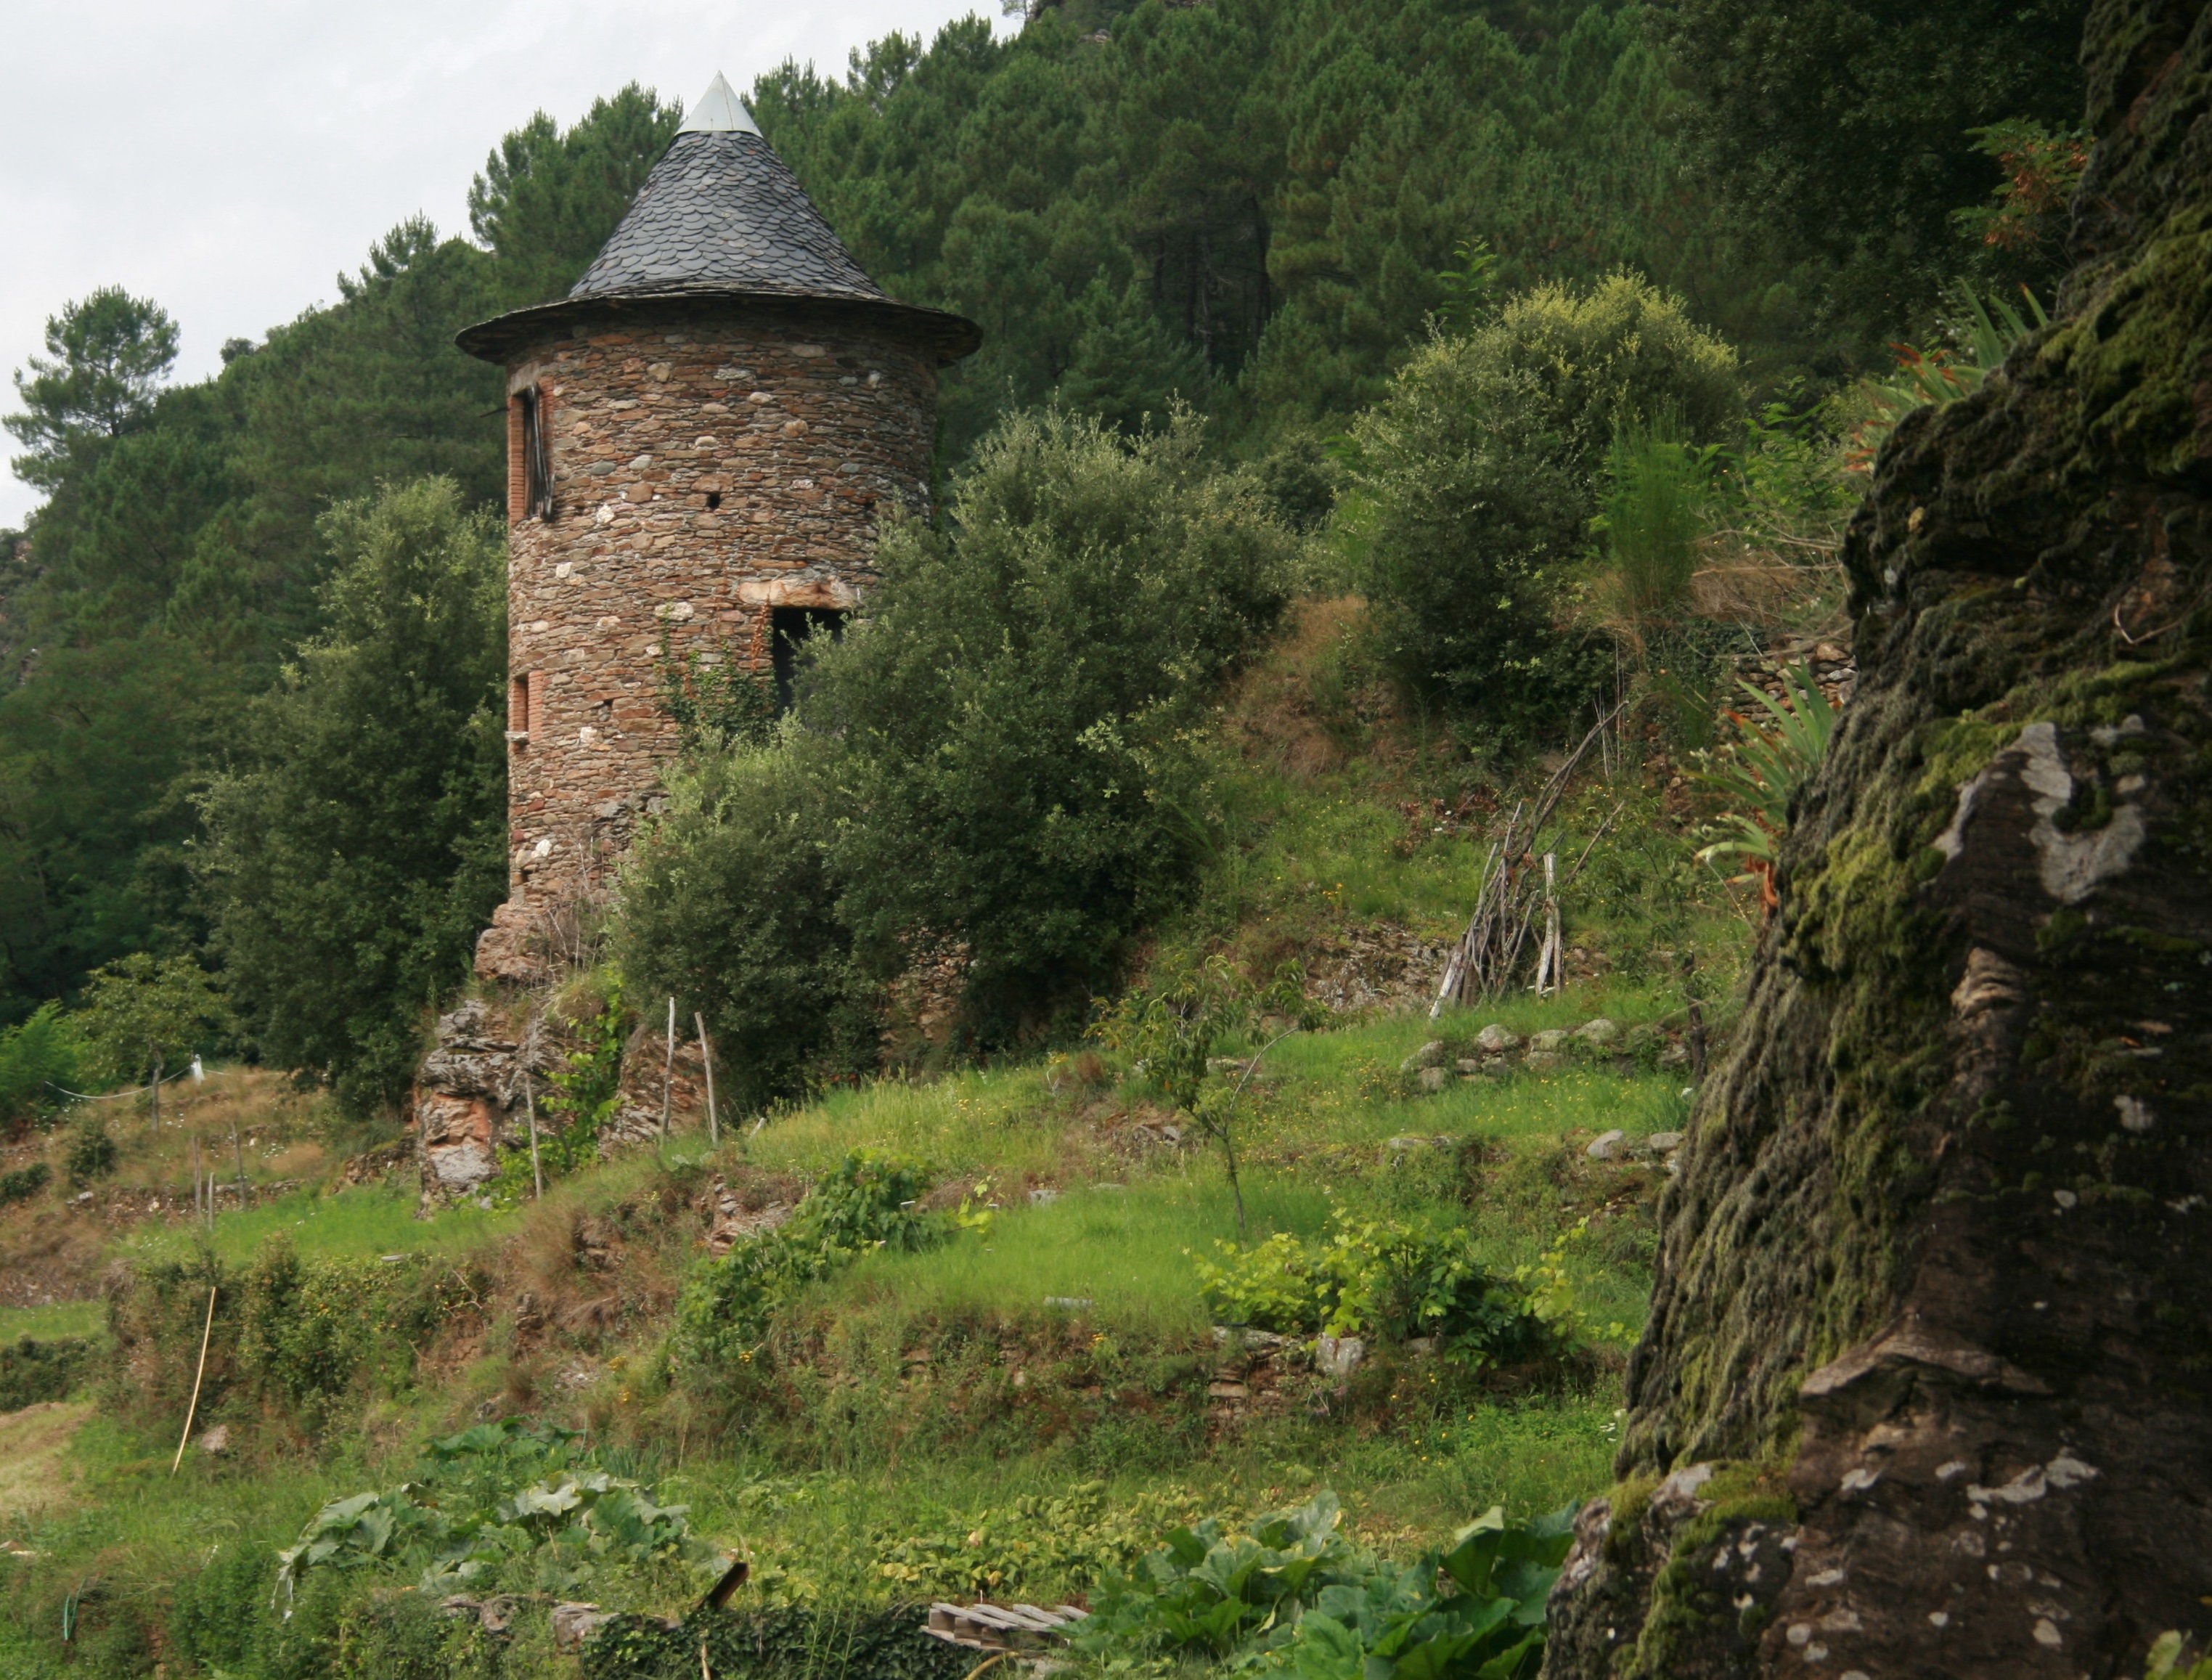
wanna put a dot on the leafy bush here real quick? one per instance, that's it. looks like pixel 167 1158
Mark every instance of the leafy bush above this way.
pixel 1292 1596
pixel 716 704
pixel 1409 1622
pixel 36 1055
pixel 587 1088
pixel 1375 1279
pixel 24 1182
pixel 1211 1591
pixel 868 1202
pixel 1477 477
pixel 309 1331
pixel 91 1152
pixel 36 1369
pixel 485 1497
pixel 1013 772
pixel 728 905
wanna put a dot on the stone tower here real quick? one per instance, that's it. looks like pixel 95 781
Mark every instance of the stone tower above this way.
pixel 703 437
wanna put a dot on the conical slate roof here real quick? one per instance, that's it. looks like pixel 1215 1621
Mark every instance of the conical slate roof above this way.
pixel 721 213
pixel 721 216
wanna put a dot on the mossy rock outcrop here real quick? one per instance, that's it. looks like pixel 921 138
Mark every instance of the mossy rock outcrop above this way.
pixel 1936 1284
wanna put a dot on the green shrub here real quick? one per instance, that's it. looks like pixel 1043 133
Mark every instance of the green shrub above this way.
pixel 728 905
pixel 34 1370
pixel 24 1182
pixel 715 704
pixel 1015 772
pixel 868 1202
pixel 291 1337
pixel 1477 477
pixel 489 1495
pixel 1292 1596
pixel 1371 1278
pixel 310 1330
pixel 91 1152
pixel 36 1055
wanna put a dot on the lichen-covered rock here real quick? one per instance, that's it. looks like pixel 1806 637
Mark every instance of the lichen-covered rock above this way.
pixel 1938 1266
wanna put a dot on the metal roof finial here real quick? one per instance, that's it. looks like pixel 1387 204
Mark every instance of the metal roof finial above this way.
pixel 720 111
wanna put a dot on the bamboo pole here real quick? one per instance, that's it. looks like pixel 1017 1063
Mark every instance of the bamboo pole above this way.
pixel 194 1410
pixel 706 1060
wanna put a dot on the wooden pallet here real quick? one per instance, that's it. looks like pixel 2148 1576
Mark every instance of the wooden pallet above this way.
pixel 1002 1626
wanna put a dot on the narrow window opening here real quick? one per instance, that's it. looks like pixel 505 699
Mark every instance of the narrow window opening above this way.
pixel 537 464
pixel 791 628
pixel 517 709
pixel 536 703
pixel 714 500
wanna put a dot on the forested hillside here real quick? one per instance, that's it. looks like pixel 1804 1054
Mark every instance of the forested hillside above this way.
pixel 1255 208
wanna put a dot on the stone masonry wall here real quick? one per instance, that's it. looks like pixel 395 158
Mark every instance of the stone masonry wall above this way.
pixel 711 462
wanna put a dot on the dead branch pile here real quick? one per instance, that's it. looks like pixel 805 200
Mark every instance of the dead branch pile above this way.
pixel 1520 895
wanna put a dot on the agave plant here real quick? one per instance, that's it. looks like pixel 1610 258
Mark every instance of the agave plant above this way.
pixel 1759 777
pixel 1925 378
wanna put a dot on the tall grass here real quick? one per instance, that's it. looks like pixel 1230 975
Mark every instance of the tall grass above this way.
pixel 1123 1249
pixel 372 1219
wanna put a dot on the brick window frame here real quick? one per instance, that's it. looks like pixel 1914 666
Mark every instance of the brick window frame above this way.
pixel 529 455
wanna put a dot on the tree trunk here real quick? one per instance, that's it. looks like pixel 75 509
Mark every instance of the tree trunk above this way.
pixel 1925 1390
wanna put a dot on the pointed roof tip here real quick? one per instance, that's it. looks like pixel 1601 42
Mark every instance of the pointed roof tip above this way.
pixel 720 111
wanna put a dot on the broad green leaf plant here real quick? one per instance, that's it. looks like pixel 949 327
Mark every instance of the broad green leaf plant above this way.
pixel 1292 1596
pixel 490 1495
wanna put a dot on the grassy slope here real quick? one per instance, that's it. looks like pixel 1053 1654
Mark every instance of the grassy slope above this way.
pixel 1329 828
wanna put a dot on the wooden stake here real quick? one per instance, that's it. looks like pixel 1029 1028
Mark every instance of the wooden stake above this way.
pixel 197 1186
pixel 194 1410
pixel 668 1070
pixel 706 1059
pixel 530 1107
pixel 238 1153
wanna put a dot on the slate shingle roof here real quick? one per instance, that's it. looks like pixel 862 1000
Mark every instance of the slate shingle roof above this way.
pixel 720 216
pixel 720 212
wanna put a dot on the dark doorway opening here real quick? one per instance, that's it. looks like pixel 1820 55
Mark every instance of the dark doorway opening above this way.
pixel 790 628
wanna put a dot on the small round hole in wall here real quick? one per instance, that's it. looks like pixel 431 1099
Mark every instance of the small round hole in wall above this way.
pixel 713 499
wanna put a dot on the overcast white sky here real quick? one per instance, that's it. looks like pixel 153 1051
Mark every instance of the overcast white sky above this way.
pixel 228 157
